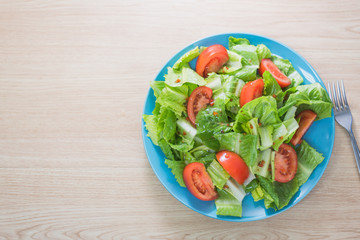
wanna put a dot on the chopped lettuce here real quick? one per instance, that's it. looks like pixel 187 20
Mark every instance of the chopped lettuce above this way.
pixel 262 52
pixel 282 193
pixel 234 63
pixel 264 108
pixel 174 98
pixel 157 86
pixel 151 126
pixel 312 97
pixel 249 58
pixel 186 58
pixel 308 159
pixel 210 121
pixel 228 205
pixel 262 165
pixel 176 78
pixel 218 174
pixel 254 131
pixel 177 168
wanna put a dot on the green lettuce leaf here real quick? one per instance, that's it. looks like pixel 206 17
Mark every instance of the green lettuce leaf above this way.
pixel 167 150
pixel 157 86
pixel 166 124
pixel 272 88
pixel 285 191
pixel 233 64
pixel 269 189
pixel 262 52
pixel 308 160
pixel 151 126
pixel 210 121
pixel 264 108
pixel 311 96
pixel 186 58
pixel 249 58
pixel 176 78
pixel 217 174
pixel 247 51
pixel 174 98
pixel 247 73
pixel 182 143
pixel 177 168
pixel 228 205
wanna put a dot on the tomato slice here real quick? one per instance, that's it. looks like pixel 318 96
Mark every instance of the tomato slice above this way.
pixel 234 165
pixel 267 65
pixel 285 163
pixel 306 117
pixel 198 182
pixel 251 90
pixel 211 60
pixel 198 100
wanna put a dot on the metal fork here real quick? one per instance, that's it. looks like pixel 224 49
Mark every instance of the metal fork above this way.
pixel 343 114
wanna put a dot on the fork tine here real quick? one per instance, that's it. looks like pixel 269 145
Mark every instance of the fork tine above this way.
pixel 329 90
pixel 344 94
pixel 336 103
pixel 341 104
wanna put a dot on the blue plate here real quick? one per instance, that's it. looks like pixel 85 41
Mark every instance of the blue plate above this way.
pixel 320 135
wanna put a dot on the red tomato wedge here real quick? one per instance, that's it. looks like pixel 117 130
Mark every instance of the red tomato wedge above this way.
pixel 267 65
pixel 198 100
pixel 211 60
pixel 234 165
pixel 251 90
pixel 285 163
pixel 198 182
pixel 305 118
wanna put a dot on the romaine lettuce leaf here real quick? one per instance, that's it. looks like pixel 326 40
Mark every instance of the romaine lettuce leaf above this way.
pixel 210 121
pixel 177 168
pixel 262 52
pixel 308 159
pixel 176 78
pixel 311 96
pixel 248 53
pixel 186 58
pixel 272 88
pixel 264 108
pixel 228 205
pixel 247 73
pixel 182 143
pixel 269 189
pixel 166 124
pixel 174 98
pixel 157 86
pixel 217 174
pixel 151 126
pixel 286 191
pixel 214 81
pixel 233 64
pixel 249 58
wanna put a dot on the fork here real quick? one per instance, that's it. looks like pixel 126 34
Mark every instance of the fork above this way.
pixel 343 114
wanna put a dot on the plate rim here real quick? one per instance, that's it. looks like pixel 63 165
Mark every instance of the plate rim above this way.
pixel 230 218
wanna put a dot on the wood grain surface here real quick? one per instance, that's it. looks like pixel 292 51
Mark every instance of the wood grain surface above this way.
pixel 73 80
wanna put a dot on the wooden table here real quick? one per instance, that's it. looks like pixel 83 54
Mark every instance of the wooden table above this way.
pixel 73 80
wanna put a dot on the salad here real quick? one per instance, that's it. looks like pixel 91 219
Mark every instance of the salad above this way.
pixel 234 124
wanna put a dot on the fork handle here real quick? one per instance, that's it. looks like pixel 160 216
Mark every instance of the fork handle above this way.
pixel 355 148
